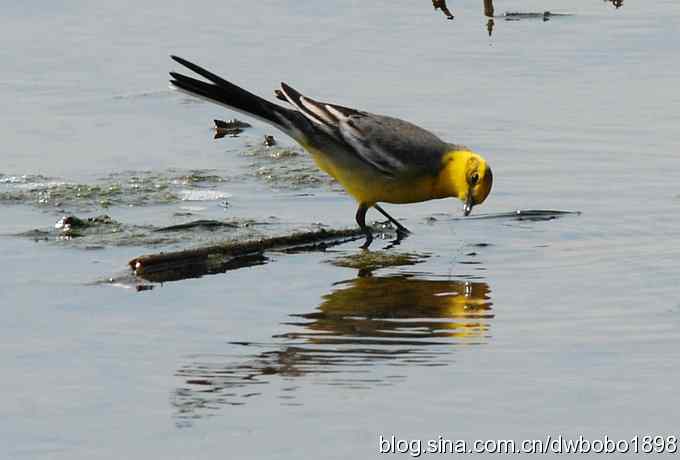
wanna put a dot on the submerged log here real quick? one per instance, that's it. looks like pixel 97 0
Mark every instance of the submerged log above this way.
pixel 194 263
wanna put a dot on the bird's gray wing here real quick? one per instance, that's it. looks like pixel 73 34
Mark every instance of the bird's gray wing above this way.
pixel 392 146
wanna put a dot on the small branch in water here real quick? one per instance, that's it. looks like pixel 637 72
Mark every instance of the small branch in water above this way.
pixel 546 15
pixel 536 215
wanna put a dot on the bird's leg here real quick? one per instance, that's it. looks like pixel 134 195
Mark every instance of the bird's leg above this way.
pixel 401 230
pixel 361 220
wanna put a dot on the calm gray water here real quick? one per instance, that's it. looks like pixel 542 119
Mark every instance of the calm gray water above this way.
pixel 503 328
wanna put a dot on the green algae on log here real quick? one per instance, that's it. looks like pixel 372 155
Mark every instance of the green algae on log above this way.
pixel 194 263
pixel 375 260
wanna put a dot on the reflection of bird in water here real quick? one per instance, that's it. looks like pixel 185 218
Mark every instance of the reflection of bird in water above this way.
pixel 389 310
pixel 369 321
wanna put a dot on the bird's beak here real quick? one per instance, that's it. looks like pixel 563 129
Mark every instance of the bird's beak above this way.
pixel 469 203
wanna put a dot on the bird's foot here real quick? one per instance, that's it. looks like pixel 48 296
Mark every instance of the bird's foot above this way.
pixel 367 243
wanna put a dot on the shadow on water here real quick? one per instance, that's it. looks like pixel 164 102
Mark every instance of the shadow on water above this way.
pixel 358 337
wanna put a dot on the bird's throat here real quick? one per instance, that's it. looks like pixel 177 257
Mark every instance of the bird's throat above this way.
pixel 451 181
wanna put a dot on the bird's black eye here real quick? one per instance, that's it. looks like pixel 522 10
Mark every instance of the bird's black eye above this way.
pixel 474 178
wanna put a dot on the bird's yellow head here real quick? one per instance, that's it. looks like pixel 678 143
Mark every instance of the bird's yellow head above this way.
pixel 466 176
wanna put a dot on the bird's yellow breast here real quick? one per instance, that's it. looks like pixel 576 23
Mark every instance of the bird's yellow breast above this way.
pixel 368 186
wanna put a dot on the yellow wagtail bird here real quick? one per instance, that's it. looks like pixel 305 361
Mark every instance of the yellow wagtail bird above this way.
pixel 377 159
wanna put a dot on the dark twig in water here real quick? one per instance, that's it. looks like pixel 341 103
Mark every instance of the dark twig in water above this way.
pixel 517 15
pixel 441 5
pixel 525 214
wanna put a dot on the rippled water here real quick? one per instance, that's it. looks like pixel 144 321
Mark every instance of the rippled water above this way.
pixel 399 322
pixel 497 326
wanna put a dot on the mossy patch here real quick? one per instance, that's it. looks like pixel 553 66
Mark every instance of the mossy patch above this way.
pixel 375 260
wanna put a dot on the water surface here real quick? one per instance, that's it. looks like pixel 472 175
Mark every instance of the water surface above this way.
pixel 487 328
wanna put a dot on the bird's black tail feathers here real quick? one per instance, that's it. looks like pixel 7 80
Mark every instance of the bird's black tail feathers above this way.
pixel 234 97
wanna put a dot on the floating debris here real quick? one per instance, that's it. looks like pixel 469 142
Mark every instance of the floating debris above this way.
pixel 441 5
pixel 269 140
pixel 230 128
pixel 144 287
pixel 75 222
pixel 545 16
pixel 73 227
